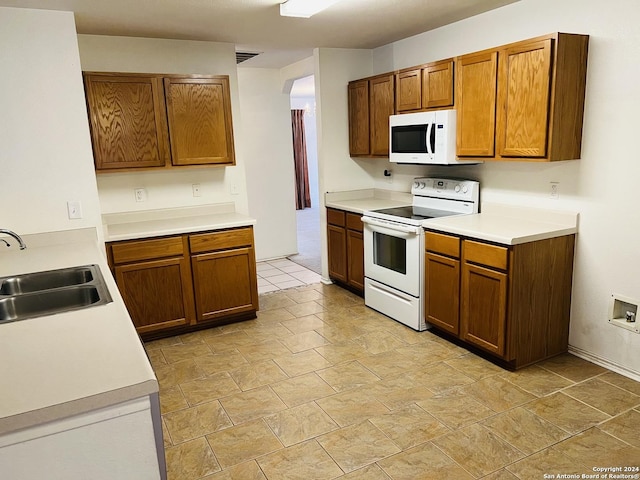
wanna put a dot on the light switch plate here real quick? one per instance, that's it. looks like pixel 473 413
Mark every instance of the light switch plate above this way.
pixel 74 209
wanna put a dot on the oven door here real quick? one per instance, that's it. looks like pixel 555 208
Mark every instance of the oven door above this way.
pixel 392 253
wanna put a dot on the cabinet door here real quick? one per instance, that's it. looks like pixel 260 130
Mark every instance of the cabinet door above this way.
pixel 200 126
pixel 381 106
pixel 224 283
pixel 524 85
pixel 128 121
pixel 409 91
pixel 484 308
pixel 437 85
pixel 157 294
pixel 442 292
pixel 476 104
pixel 355 256
pixel 337 252
pixel 359 118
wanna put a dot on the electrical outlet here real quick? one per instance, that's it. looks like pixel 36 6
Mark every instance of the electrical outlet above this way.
pixel 196 190
pixel 234 189
pixel 555 190
pixel 74 209
pixel 141 194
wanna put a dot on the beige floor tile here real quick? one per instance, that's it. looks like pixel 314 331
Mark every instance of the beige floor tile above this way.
pixel 274 301
pixel 300 423
pixel 404 333
pixel 347 376
pixel 242 443
pixel 621 381
pixel 378 342
pixel 244 471
pixel 341 351
pixel 424 462
pixel 304 341
pixel 478 450
pixel 263 350
pixel 303 461
pixel 268 331
pixel 192 459
pixel 301 363
pixel 574 368
pixel 497 393
pixel 303 324
pixel 566 412
pixel 398 392
pixel 387 364
pixel 252 404
pixel 525 430
pixel 625 427
pixel 172 399
pixel 220 362
pixel 229 341
pixel 176 353
pixel 342 332
pixel 502 474
pixel 428 352
pixel 276 315
pixel 358 445
pixel 166 438
pixel 179 372
pixel 455 409
pixel 547 462
pixel 303 389
pixel 303 295
pixel 257 374
pixel 473 366
pixel 439 377
pixel 304 309
pixel 156 357
pixel 195 422
pixel 409 426
pixel 196 337
pixel 163 342
pixel 537 380
pixel 370 472
pixel 352 406
pixel 603 396
pixel 209 388
pixel 595 448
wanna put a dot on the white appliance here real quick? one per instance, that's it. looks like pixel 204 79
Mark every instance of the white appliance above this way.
pixel 424 138
pixel 394 246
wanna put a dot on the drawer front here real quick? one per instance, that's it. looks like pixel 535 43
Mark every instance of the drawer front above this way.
pixel 485 254
pixel 443 244
pixel 222 240
pixel 146 249
pixel 336 217
pixel 354 222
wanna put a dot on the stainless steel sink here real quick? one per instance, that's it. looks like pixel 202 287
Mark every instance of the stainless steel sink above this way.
pixel 46 293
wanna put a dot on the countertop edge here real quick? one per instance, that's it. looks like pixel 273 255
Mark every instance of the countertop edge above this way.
pixel 502 240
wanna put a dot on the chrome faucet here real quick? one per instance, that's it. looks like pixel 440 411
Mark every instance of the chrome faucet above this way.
pixel 14 235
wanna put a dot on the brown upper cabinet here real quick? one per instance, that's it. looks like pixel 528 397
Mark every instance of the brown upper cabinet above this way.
pixel 426 86
pixel 159 121
pixel 523 101
pixel 371 102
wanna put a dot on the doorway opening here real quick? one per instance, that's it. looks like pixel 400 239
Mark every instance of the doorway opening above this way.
pixel 302 97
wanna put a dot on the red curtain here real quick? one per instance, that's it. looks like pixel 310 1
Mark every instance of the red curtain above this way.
pixel 303 197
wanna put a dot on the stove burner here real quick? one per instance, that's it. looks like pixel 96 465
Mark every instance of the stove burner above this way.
pixel 403 212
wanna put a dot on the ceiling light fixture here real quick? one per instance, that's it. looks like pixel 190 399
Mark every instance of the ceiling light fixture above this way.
pixel 304 8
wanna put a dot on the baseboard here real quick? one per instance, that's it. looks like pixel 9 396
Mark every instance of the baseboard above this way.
pixel 603 362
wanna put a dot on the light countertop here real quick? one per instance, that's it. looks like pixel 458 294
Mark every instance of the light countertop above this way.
pixel 508 225
pixel 70 363
pixel 170 221
pixel 359 201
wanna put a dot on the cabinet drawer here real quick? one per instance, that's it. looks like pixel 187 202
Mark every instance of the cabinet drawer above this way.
pixel 336 217
pixel 443 244
pixel 485 254
pixel 224 239
pixel 354 222
pixel 146 249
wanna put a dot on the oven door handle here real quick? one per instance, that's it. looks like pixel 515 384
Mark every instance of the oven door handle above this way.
pixel 395 227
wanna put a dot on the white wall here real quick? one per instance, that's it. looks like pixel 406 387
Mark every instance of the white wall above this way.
pixel 601 186
pixel 45 148
pixel 169 189
pixel 266 120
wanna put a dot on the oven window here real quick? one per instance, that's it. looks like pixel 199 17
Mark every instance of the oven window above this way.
pixel 390 252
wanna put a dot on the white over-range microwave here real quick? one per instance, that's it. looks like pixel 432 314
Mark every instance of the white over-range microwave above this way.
pixel 424 138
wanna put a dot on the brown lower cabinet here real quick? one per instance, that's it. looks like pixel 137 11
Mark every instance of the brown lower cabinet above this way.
pixel 345 249
pixel 512 302
pixel 181 283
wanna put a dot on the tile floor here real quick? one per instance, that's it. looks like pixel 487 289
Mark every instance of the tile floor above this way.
pixel 321 387
pixel 281 274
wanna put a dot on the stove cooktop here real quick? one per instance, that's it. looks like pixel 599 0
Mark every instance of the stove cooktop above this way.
pixel 409 214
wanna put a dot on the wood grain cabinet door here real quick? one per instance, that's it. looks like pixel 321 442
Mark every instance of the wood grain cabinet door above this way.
pixel 409 90
pixel 337 252
pixel 381 106
pixel 157 293
pixel 200 125
pixel 484 308
pixel 128 121
pixel 442 292
pixel 437 85
pixel 476 104
pixel 224 283
pixel 359 118
pixel 355 256
pixel 523 100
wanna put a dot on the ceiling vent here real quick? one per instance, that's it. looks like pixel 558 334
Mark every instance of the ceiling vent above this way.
pixel 244 56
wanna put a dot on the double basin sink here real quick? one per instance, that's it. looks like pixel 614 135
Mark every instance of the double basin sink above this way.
pixel 55 291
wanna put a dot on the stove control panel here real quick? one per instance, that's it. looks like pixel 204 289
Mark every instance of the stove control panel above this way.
pixel 446 188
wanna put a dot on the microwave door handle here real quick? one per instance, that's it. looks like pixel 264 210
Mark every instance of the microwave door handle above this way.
pixel 432 138
pixel 428 138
